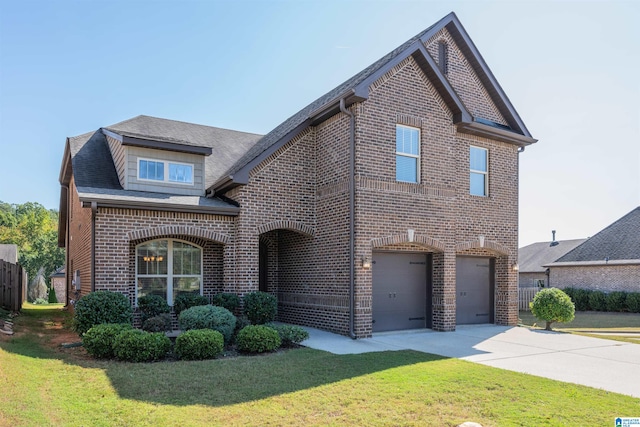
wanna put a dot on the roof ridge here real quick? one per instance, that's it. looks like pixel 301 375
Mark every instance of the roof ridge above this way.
pixel 181 121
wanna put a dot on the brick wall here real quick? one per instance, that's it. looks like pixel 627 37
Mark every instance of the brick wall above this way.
pixel 79 244
pixel 526 280
pixel 601 277
pixel 59 287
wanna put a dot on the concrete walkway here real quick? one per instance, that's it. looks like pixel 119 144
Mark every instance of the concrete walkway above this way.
pixel 594 362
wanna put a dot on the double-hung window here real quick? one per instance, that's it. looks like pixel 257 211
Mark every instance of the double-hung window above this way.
pixel 407 154
pixel 173 172
pixel 479 171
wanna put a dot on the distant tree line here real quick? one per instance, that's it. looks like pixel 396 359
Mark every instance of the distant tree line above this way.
pixel 34 229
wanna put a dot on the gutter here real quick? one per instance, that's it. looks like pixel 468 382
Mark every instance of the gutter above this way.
pixel 352 209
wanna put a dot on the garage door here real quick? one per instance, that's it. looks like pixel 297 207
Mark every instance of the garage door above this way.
pixel 401 291
pixel 474 286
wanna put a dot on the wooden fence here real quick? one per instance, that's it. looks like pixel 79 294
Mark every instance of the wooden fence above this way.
pixel 13 285
pixel 525 296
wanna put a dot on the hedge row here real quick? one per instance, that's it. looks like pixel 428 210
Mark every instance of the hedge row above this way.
pixel 592 300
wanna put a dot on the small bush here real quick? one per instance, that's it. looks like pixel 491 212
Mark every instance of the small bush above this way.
pixel 209 317
pixel 159 323
pixel 616 301
pixel 199 344
pixel 53 299
pixel 258 339
pixel 41 301
pixel 260 307
pixel 101 307
pixel 598 301
pixel 290 335
pixel 229 301
pixel 152 306
pixel 633 302
pixel 552 305
pixel 582 299
pixel 185 301
pixel 139 346
pixel 98 341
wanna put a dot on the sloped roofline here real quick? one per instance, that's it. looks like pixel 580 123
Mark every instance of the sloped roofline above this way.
pixel 356 89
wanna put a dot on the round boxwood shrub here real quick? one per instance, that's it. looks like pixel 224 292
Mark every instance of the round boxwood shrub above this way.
pixel 290 335
pixel 616 301
pixel 98 341
pixel 159 323
pixel 188 300
pixel 227 300
pixel 633 302
pixel 208 317
pixel 152 306
pixel 199 344
pixel 101 307
pixel 598 300
pixel 552 305
pixel 260 307
pixel 139 346
pixel 258 339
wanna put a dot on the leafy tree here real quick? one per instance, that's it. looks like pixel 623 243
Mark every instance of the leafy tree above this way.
pixel 552 305
pixel 34 229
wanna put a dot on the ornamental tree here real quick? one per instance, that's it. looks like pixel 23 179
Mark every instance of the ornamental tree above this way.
pixel 552 305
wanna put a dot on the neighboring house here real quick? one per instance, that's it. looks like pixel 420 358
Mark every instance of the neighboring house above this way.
pixel 389 203
pixel 608 261
pixel 58 284
pixel 9 253
pixel 533 257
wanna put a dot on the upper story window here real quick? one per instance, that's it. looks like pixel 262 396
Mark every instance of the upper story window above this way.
pixel 479 171
pixel 153 170
pixel 407 154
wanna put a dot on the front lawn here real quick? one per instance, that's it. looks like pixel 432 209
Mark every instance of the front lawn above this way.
pixel 43 384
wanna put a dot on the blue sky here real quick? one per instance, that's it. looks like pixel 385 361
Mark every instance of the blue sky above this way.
pixel 570 69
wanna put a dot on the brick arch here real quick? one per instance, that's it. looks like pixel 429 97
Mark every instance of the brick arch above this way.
pixel 178 230
pixel 486 244
pixel 419 239
pixel 298 227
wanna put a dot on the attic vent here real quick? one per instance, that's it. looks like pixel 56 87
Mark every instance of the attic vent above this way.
pixel 443 57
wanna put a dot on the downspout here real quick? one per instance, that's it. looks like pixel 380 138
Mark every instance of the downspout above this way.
pixel 94 210
pixel 352 209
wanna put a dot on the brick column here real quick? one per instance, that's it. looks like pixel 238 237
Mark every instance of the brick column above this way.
pixel 444 291
pixel 506 292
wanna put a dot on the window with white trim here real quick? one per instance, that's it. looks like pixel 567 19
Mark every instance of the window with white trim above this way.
pixel 407 154
pixel 173 172
pixel 478 171
pixel 168 268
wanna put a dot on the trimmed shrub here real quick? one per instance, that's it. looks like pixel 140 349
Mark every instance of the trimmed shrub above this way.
pixel 598 301
pixel 581 299
pixel 185 301
pixel 98 341
pixel 41 301
pixel 53 299
pixel 258 339
pixel 199 344
pixel 227 300
pixel 290 335
pixel 159 323
pixel 633 302
pixel 616 301
pixel 260 307
pixel 139 346
pixel 101 307
pixel 208 317
pixel 552 305
pixel 152 306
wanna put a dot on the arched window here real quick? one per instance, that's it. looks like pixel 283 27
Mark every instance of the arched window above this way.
pixel 168 267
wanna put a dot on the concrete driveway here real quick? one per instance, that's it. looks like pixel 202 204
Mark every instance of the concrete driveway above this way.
pixel 594 362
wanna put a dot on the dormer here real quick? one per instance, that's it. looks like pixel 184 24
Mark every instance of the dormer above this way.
pixel 158 164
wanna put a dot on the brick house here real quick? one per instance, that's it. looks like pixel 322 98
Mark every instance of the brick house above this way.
pixel 58 284
pixel 608 261
pixel 389 203
pixel 532 259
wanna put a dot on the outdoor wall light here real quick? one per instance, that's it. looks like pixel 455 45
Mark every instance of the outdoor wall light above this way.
pixel 515 267
pixel 366 262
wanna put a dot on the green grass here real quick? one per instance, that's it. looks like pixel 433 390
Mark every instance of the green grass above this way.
pixel 44 385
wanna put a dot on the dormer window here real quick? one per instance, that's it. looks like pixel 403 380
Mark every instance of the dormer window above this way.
pixel 172 172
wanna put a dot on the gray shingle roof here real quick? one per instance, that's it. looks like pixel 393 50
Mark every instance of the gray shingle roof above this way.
pixel 619 241
pixel 531 258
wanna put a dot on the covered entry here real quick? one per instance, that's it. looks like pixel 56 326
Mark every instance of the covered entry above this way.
pixel 474 286
pixel 401 291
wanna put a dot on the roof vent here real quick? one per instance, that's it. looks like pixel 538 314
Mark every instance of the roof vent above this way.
pixel 553 241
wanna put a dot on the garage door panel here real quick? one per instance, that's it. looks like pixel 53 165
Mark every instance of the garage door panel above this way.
pixel 474 290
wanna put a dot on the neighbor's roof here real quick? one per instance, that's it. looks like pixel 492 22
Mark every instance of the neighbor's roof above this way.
pixel 533 257
pixel 9 253
pixel 60 272
pixel 619 241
